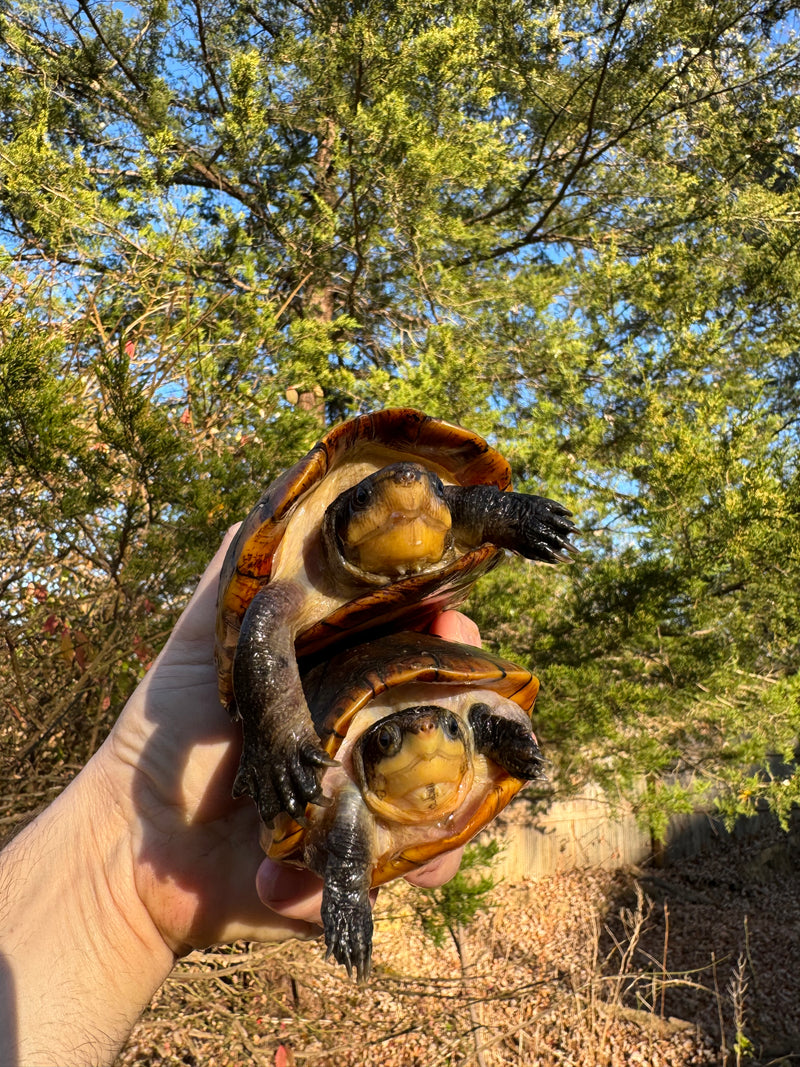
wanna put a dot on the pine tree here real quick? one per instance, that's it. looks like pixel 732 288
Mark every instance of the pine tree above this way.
pixel 572 229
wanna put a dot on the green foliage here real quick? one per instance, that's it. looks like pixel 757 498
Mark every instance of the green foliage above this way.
pixel 442 911
pixel 572 229
pixel 35 410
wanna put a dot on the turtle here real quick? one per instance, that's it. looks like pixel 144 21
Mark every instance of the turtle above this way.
pixel 389 519
pixel 432 739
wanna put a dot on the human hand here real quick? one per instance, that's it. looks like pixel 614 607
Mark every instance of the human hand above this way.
pixel 172 757
pixel 198 865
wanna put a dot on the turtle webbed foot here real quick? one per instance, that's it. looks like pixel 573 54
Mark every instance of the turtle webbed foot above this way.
pixel 508 742
pixel 533 526
pixel 281 775
pixel 348 934
pixel 544 528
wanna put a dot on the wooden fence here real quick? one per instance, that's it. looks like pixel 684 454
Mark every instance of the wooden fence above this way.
pixel 587 831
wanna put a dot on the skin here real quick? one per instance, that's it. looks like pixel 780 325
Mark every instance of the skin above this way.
pixel 144 857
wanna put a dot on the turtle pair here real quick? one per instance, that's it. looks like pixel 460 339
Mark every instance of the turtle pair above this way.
pixel 375 757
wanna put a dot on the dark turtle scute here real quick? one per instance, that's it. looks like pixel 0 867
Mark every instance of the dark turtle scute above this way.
pixel 336 691
pixel 405 430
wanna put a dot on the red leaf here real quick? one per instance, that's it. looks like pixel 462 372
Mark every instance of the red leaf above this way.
pixel 143 652
pixel 82 648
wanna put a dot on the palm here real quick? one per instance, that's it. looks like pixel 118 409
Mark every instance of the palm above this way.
pixel 199 866
pixel 198 850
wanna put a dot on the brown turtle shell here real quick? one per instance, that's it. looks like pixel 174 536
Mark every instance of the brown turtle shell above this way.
pixel 401 433
pixel 336 691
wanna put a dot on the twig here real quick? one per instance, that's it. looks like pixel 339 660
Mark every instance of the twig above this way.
pixel 723 1042
pixel 664 958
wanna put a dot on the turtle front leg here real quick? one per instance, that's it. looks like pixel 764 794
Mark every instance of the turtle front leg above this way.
pixel 343 856
pixel 533 526
pixel 282 759
pixel 509 742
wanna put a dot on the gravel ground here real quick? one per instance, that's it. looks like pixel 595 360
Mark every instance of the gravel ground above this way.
pixel 675 967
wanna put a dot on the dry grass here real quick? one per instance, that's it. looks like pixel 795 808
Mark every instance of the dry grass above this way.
pixel 670 968
pixel 537 992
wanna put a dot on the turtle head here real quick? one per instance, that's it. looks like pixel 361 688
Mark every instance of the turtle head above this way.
pixel 392 523
pixel 415 765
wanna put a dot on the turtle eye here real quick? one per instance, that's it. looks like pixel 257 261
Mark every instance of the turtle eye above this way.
pixel 451 726
pixel 387 738
pixel 361 495
pixel 437 485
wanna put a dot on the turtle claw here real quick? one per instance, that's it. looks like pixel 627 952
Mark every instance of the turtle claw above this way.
pixel 510 743
pixel 533 526
pixel 526 762
pixel 348 935
pixel 545 529
pixel 282 775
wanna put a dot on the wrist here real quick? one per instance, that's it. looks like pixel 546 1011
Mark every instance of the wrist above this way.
pixel 82 954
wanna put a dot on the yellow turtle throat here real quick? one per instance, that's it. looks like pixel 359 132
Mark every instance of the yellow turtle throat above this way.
pixel 416 765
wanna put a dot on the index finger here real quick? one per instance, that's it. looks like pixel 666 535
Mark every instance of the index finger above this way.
pixel 453 626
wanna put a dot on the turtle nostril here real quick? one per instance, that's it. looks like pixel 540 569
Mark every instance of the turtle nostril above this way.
pixel 405 474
